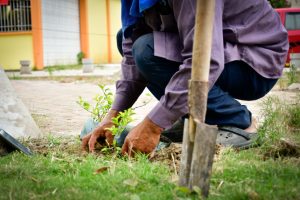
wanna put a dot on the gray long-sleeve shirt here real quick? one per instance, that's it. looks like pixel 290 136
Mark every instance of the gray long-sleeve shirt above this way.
pixel 247 30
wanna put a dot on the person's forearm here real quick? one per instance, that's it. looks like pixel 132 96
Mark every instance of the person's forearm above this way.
pixel 112 113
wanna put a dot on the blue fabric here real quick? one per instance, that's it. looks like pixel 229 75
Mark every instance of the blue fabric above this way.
pixel 145 4
pixel 132 10
pixel 237 81
pixel 90 125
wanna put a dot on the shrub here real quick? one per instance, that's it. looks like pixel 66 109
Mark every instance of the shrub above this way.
pixel 80 55
pixel 280 3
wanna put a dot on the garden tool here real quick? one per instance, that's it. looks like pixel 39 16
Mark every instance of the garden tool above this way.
pixel 199 139
pixel 9 144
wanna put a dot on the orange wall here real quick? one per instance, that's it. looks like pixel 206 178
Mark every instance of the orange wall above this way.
pixel 84 38
pixel 37 33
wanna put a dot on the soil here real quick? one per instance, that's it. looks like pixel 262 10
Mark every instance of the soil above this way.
pixel 171 156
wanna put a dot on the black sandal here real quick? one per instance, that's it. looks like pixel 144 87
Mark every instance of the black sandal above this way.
pixel 236 137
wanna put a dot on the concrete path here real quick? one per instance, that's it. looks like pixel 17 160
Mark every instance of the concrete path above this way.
pixel 53 104
pixel 100 70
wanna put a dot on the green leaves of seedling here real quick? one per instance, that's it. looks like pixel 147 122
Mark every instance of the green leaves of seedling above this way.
pixel 121 121
pixel 103 103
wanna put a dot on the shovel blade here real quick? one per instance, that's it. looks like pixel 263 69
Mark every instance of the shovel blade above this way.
pixel 186 156
pixel 203 155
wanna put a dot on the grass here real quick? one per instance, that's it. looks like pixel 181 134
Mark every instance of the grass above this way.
pixel 290 77
pixel 60 176
pixel 62 67
pixel 245 175
pixel 106 80
pixel 271 171
pixel 59 171
pixel 293 75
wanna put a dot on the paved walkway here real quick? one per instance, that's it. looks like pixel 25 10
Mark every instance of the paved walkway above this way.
pixel 53 103
pixel 100 70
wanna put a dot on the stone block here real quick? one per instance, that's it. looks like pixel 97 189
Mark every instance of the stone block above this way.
pixel 14 116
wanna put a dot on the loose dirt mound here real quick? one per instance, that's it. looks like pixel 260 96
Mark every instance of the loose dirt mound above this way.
pixel 171 156
pixel 284 148
pixel 46 145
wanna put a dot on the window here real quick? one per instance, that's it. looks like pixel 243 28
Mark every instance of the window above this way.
pixel 15 16
pixel 292 21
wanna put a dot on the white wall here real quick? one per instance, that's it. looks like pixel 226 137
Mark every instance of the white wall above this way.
pixel 295 3
pixel 61 33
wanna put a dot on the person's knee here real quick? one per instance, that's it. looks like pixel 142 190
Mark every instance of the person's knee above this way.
pixel 262 88
pixel 143 51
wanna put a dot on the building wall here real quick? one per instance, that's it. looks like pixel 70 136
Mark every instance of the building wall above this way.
pixel 61 37
pixel 102 44
pixel 295 3
pixel 13 48
pixel 115 26
pixel 55 38
pixel 97 32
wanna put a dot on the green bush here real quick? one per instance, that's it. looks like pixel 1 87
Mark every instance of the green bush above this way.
pixel 280 3
pixel 80 55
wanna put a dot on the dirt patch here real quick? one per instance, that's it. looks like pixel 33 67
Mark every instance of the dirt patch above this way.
pixel 284 148
pixel 44 146
pixel 171 156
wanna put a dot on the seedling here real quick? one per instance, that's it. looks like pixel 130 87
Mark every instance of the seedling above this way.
pixel 103 103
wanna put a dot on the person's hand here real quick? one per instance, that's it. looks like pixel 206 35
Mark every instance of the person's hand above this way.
pixel 143 138
pixel 100 133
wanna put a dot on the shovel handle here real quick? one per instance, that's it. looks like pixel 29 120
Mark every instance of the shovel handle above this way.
pixel 203 40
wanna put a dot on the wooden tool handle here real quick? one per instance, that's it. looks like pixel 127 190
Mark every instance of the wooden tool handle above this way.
pixel 203 39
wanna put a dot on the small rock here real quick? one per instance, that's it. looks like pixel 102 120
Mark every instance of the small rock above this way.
pixel 294 86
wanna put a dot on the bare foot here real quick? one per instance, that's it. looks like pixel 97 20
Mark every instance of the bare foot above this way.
pixel 253 127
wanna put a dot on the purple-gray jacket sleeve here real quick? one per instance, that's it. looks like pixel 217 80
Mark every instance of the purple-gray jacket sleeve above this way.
pixel 131 84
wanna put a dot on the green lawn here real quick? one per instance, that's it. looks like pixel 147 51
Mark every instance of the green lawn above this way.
pixel 59 171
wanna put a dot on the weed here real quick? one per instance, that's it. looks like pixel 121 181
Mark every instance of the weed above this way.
pixel 292 74
pixel 15 77
pixel 52 141
pixel 273 126
pixel 294 117
pixel 50 71
pixel 280 128
pixel 282 83
pixel 64 67
pixel 80 56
